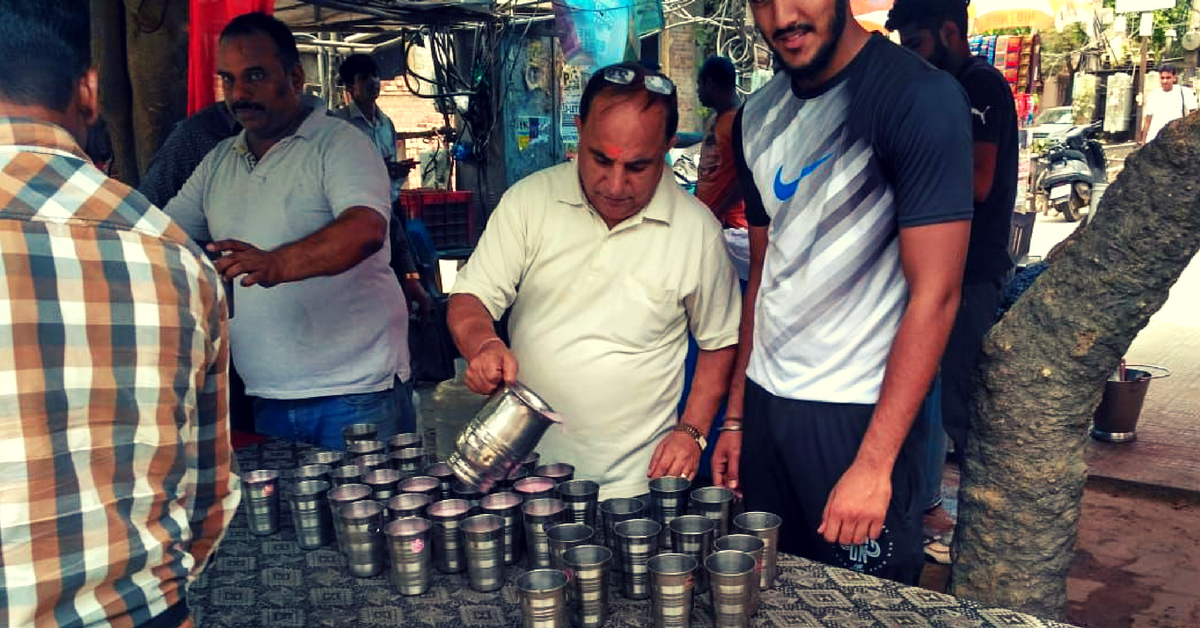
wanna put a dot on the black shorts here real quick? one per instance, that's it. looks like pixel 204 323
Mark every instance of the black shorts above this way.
pixel 794 453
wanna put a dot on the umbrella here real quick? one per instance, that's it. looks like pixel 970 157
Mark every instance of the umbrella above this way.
pixel 997 14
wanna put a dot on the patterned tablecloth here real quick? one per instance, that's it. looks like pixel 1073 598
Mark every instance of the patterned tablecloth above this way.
pixel 270 581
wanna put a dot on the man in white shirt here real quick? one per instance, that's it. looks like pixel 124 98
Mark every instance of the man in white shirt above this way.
pixel 1170 103
pixel 607 264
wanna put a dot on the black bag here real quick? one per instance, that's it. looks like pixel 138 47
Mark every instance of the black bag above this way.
pixel 430 347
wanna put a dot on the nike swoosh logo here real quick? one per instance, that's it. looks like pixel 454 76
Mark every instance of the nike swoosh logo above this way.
pixel 785 190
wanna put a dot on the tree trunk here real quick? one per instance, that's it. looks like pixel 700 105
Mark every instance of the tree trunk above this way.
pixel 116 99
pixel 1043 370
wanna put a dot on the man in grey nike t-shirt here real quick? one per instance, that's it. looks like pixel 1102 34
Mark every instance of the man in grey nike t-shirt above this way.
pixel 856 168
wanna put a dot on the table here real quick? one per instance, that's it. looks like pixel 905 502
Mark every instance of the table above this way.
pixel 270 581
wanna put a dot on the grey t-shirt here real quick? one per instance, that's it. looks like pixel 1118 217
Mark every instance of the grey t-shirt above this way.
pixel 321 336
pixel 835 173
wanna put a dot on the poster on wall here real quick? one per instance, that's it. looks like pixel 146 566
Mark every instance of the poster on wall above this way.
pixel 573 80
pixel 532 130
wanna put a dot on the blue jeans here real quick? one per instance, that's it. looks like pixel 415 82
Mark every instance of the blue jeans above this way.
pixel 319 420
pixel 935 446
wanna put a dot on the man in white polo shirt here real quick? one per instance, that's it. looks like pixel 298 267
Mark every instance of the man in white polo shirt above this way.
pixel 298 206
pixel 606 264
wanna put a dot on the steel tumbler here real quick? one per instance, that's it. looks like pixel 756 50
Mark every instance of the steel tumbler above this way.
pixel 637 541
pixel 445 476
pixel 262 501
pixel 359 431
pixel 672 588
pixel 539 514
pixel 342 496
pixel 559 472
pixel 543 598
pixel 580 496
pixel 587 593
pixel 311 516
pixel 533 487
pixel 362 525
pixel 447 516
pixel 346 474
pixel 753 546
pixel 404 440
pixel 764 525
pixel 507 506
pixel 327 457
pixel 693 535
pixel 408 505
pixel 371 462
pixel 410 552
pixel 668 499
pixel 383 483
pixel 483 538
pixel 731 578
pixel 713 502
pixel 365 447
pixel 564 536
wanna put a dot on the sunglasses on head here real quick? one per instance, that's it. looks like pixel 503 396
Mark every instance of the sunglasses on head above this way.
pixel 656 83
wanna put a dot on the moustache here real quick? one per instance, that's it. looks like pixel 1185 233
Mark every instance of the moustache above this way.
pixel 248 106
pixel 780 33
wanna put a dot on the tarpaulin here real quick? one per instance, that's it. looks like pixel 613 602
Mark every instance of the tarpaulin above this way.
pixel 207 18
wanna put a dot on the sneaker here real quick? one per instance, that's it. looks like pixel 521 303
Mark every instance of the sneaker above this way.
pixel 937 551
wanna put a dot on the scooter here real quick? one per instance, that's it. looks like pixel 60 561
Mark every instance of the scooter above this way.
pixel 1069 170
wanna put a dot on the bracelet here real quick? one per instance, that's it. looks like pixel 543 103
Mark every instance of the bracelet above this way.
pixel 484 344
pixel 731 426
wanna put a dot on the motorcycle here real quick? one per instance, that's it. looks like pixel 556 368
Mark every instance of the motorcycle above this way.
pixel 1072 167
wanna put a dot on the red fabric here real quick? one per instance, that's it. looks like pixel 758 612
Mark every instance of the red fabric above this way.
pixel 207 18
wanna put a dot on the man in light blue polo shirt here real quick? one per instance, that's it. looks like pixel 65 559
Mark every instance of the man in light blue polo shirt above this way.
pixel 298 207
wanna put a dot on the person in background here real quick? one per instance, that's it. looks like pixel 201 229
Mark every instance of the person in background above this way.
pixel 297 205
pixel 718 185
pixel 855 165
pixel 184 149
pixel 937 31
pixel 360 75
pixel 607 264
pixel 117 479
pixel 1166 105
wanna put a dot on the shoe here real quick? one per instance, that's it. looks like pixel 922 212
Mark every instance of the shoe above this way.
pixel 936 550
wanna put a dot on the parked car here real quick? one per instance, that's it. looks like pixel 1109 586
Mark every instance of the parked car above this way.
pixel 1051 121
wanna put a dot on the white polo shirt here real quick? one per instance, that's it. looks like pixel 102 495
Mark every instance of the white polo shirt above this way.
pixel 600 317
pixel 1164 107
pixel 321 336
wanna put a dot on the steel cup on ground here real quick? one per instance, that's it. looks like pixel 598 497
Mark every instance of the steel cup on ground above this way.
pixel 672 588
pixel 539 514
pixel 506 484
pixel 407 505
pixel 581 497
pixel 507 506
pixel 359 431
pixel 483 537
pixel 668 499
pixel 764 525
pixel 408 461
pixel 404 440
pixel 311 516
pixel 447 516
pixel 365 447
pixel 614 511
pixel 587 593
pixel 713 502
pixel 341 496
pixel 753 546
pixel 693 535
pixel 327 457
pixel 362 526
pixel 543 598
pixel 308 472
pixel 346 474
pixel 533 487
pixel 383 483
pixel 262 501
pixel 530 462
pixel 371 462
pixel 467 493
pixel 637 541
pixel 731 578
pixel 559 472
pixel 564 536
pixel 445 476
pixel 410 553
pixel 423 484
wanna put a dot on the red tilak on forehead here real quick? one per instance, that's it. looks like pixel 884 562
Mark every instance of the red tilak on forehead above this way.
pixel 610 151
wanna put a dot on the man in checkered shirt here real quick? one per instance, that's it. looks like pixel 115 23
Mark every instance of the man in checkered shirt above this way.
pixel 116 472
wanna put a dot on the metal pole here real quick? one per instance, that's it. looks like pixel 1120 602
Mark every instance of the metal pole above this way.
pixel 1141 110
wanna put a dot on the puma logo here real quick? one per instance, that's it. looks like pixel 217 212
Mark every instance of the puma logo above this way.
pixel 981 114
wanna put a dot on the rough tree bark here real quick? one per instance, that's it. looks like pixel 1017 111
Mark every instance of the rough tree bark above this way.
pixel 1042 375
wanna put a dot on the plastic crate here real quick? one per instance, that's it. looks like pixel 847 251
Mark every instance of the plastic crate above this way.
pixel 447 216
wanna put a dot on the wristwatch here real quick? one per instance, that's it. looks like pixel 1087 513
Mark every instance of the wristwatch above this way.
pixel 693 432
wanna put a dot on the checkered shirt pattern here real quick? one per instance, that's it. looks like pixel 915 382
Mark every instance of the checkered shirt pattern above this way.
pixel 117 478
